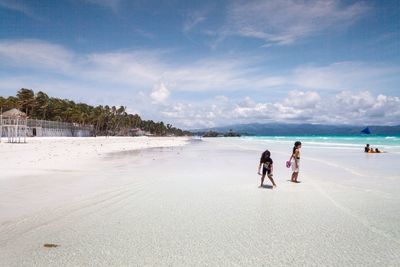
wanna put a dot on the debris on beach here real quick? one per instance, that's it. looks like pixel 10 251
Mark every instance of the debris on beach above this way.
pixel 50 245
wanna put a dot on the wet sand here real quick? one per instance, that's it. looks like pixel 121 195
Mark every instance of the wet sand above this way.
pixel 200 204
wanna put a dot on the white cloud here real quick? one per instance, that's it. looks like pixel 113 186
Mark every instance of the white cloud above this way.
pixel 286 21
pixel 208 74
pixel 189 115
pixel 343 76
pixel 299 99
pixel 221 98
pixel 247 102
pixel 355 102
pixel 160 93
pixel 193 19
pixel 136 68
pixel 18 6
pixel 125 68
pixel 120 76
pixel 298 107
pixel 142 69
pixel 364 106
pixel 36 54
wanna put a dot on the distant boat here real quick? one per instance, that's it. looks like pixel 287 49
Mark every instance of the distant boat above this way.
pixel 366 131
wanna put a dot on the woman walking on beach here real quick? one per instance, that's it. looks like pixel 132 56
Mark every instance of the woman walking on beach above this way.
pixel 295 161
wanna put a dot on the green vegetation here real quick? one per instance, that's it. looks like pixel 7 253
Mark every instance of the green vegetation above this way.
pixel 231 133
pixel 210 133
pixel 105 120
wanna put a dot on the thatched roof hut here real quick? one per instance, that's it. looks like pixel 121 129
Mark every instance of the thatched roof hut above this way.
pixel 14 113
pixel 13 125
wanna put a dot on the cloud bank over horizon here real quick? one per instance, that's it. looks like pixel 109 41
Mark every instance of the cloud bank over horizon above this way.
pixel 248 63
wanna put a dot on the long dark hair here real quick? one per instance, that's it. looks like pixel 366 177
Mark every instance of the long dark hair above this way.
pixel 266 154
pixel 296 144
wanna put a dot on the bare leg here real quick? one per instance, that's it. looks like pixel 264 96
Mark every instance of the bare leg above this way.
pixel 262 180
pixel 293 177
pixel 272 180
pixel 297 175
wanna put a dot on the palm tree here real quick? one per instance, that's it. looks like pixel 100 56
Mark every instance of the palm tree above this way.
pixel 105 120
pixel 41 105
pixel 26 100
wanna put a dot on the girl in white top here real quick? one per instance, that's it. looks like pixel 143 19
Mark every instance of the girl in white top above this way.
pixel 295 161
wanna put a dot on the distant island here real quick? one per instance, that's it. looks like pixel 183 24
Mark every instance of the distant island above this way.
pixel 230 133
pixel 273 129
pixel 105 120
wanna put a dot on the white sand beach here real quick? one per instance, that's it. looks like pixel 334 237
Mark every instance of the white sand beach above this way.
pixel 197 203
pixel 47 171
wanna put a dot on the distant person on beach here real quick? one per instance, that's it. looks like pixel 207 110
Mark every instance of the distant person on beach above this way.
pixel 374 150
pixel 366 148
pixel 295 161
pixel 267 164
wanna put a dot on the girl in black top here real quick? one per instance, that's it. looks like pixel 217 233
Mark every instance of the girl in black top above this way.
pixel 267 164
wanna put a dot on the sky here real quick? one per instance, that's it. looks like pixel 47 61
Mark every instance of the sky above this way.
pixel 199 64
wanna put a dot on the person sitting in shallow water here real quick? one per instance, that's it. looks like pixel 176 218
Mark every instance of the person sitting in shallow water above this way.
pixel 374 150
pixel 366 148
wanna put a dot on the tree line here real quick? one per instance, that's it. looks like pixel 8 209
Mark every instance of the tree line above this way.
pixel 106 120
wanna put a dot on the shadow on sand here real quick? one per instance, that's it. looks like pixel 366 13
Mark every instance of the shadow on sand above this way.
pixel 266 186
pixel 294 182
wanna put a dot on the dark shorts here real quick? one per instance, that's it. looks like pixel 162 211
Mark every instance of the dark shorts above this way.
pixel 265 171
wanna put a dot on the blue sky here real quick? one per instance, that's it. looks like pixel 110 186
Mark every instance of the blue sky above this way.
pixel 207 63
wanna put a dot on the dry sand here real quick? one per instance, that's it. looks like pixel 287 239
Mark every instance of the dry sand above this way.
pixel 199 205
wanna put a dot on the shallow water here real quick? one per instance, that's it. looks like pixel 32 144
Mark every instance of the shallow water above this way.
pixel 391 143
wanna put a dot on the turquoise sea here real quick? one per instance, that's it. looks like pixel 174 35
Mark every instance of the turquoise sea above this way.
pixel 388 143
